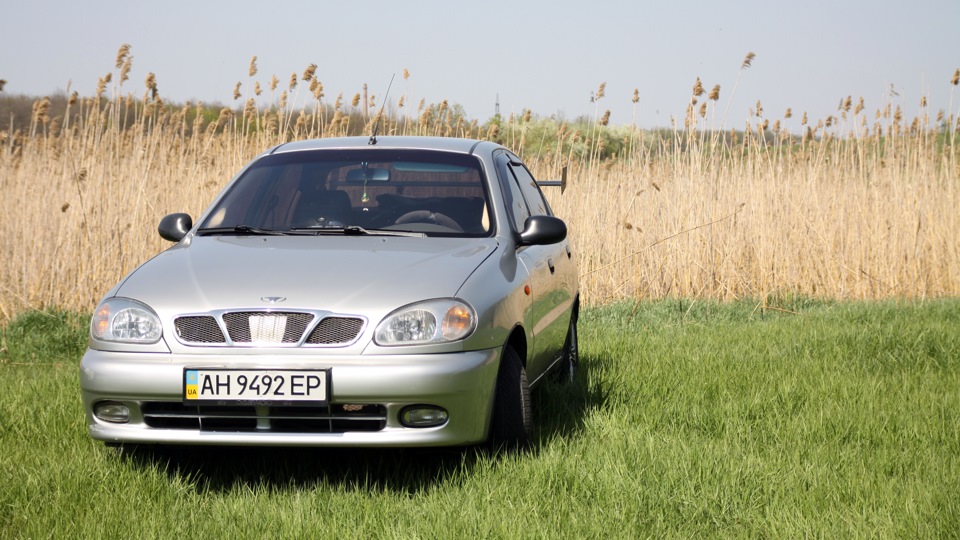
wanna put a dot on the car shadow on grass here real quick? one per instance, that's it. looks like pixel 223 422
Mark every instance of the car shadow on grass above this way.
pixel 560 410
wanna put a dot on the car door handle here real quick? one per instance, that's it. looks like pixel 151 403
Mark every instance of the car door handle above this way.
pixel 550 264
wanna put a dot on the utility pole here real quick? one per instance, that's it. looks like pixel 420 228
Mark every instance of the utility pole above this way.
pixel 366 112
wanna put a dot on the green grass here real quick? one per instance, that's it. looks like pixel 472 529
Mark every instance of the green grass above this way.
pixel 689 420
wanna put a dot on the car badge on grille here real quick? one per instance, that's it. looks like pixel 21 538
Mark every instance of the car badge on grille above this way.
pixel 273 299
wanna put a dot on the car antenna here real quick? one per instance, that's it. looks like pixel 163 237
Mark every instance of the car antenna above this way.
pixel 376 125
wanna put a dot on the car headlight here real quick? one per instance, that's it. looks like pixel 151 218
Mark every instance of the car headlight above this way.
pixel 433 321
pixel 126 321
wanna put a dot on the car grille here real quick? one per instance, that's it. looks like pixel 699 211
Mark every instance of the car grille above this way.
pixel 273 327
pixel 335 330
pixel 199 330
pixel 245 328
pixel 336 418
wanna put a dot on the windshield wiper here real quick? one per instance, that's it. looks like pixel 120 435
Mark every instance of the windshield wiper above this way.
pixel 356 230
pixel 239 229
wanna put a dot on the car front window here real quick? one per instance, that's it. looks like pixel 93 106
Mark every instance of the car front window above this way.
pixel 428 192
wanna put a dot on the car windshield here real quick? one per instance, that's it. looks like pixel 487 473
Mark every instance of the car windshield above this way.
pixel 331 191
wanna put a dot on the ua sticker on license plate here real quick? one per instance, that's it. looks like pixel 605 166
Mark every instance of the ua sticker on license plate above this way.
pixel 289 386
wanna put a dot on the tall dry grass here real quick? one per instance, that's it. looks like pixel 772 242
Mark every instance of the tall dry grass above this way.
pixel 860 206
pixel 857 206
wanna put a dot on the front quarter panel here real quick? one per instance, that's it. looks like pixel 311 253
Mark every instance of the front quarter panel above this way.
pixel 496 291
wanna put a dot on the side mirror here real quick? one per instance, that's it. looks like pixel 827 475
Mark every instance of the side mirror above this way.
pixel 175 226
pixel 542 230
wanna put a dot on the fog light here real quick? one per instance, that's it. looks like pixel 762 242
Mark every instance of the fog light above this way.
pixel 111 411
pixel 423 416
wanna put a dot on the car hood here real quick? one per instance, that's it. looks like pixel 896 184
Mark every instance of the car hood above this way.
pixel 367 275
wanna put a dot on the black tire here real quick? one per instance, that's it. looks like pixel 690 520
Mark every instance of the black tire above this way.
pixel 512 425
pixel 570 357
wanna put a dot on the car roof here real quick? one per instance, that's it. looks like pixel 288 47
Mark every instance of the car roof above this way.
pixel 446 144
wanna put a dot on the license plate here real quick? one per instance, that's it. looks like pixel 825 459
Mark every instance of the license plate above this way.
pixel 268 386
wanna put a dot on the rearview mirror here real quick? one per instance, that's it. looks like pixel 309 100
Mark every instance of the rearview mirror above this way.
pixel 370 174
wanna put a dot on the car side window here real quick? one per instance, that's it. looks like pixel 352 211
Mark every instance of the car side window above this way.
pixel 519 211
pixel 531 192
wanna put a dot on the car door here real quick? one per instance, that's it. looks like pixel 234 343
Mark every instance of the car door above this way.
pixel 551 270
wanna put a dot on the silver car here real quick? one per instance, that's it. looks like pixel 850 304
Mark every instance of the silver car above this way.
pixel 400 291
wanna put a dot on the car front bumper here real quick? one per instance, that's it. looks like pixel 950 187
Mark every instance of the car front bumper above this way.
pixel 461 383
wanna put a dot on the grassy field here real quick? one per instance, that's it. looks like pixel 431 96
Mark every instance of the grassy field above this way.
pixel 690 419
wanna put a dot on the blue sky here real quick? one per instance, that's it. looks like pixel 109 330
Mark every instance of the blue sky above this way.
pixel 546 56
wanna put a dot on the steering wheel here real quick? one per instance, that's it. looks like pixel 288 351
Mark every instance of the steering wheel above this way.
pixel 426 216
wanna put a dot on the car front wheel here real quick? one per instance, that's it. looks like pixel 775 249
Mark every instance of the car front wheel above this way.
pixel 512 411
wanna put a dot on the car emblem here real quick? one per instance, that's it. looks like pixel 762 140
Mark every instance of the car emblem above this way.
pixel 273 299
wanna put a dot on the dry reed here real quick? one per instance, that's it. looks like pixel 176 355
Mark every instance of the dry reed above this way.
pixel 853 209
